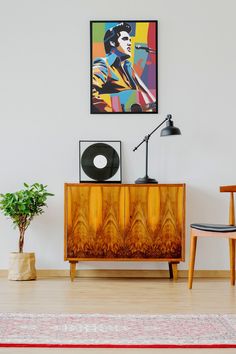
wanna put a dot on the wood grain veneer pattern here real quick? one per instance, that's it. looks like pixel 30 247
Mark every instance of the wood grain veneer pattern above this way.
pixel 125 222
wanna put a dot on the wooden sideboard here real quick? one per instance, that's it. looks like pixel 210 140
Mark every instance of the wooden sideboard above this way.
pixel 124 222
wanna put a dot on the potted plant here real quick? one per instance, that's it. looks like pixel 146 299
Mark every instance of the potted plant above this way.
pixel 21 207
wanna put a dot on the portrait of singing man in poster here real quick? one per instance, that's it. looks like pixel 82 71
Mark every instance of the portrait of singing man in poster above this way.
pixel 124 67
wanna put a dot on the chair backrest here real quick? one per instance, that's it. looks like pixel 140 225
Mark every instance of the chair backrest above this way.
pixel 231 190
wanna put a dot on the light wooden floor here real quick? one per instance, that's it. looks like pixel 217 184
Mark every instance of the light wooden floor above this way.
pixel 91 295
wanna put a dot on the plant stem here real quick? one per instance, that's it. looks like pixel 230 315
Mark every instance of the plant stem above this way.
pixel 22 228
pixel 21 240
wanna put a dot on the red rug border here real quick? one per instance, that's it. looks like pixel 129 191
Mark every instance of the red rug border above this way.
pixel 21 345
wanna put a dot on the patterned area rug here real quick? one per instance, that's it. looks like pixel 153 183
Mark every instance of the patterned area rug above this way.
pixel 117 331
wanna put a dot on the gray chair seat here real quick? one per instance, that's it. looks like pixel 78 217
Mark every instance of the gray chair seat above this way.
pixel 214 227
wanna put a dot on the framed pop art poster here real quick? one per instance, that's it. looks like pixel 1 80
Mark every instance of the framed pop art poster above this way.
pixel 124 67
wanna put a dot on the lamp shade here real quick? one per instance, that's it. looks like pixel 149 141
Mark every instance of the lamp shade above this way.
pixel 170 129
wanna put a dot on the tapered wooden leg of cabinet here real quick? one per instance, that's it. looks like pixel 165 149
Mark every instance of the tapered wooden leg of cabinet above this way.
pixel 192 260
pixel 232 260
pixel 72 270
pixel 175 271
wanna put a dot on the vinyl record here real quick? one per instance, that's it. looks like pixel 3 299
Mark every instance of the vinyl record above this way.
pixel 100 161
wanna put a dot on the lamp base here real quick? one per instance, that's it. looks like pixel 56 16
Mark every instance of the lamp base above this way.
pixel 145 180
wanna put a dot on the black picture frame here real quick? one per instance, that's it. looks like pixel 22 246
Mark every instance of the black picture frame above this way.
pixel 120 84
pixel 100 161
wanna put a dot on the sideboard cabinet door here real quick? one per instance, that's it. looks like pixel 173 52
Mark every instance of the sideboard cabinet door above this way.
pixel 154 222
pixel 94 224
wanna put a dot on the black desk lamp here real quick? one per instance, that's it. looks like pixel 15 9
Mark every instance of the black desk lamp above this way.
pixel 170 129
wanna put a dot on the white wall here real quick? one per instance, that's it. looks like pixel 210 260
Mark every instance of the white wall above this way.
pixel 44 111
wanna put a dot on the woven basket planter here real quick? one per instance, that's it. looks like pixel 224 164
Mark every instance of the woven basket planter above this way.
pixel 22 266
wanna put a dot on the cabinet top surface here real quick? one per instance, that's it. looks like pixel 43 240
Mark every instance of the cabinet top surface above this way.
pixel 125 184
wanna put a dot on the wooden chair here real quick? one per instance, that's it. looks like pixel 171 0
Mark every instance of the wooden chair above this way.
pixel 215 230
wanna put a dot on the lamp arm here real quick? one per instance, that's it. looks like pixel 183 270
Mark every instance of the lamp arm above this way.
pixel 146 138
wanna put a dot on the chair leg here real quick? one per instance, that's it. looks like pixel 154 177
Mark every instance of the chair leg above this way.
pixel 192 260
pixel 232 260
